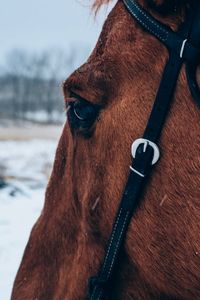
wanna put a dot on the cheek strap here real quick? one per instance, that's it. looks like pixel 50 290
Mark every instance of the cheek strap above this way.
pixel 183 47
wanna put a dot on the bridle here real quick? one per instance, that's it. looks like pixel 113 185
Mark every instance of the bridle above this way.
pixel 184 47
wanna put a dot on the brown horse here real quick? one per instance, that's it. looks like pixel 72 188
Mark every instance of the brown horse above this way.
pixel 161 255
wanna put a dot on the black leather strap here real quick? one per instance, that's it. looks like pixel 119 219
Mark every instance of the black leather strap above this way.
pixel 145 152
pixel 191 72
pixel 98 285
pixel 162 101
pixel 191 68
pixel 140 170
pixel 172 40
pixel 188 49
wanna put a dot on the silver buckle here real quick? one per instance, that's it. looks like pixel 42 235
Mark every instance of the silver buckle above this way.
pixel 146 142
pixel 182 48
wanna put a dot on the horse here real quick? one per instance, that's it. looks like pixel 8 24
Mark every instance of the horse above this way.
pixel 160 258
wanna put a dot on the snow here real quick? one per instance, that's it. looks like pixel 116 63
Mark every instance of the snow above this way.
pixel 24 170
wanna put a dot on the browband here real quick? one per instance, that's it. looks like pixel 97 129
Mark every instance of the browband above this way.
pixel 172 40
pixel 188 49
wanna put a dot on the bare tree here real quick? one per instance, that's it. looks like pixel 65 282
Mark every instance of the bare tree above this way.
pixel 31 82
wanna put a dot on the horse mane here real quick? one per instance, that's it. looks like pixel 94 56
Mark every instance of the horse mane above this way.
pixel 98 3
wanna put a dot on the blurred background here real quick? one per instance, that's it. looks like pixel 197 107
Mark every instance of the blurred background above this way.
pixel 42 42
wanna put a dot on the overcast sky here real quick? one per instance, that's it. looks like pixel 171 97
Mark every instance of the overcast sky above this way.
pixel 43 24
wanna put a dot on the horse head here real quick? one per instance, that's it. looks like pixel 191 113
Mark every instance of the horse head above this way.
pixel 108 102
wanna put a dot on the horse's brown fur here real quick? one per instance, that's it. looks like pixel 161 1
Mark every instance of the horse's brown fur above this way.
pixel 161 257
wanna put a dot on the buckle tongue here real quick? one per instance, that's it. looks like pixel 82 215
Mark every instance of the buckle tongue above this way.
pixel 146 143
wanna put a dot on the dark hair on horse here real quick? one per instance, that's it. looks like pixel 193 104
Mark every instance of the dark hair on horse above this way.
pixel 166 7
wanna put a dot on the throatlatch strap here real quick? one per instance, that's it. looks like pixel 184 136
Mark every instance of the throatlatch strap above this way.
pixel 143 158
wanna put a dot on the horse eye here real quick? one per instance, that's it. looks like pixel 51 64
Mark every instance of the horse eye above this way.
pixel 84 111
pixel 82 114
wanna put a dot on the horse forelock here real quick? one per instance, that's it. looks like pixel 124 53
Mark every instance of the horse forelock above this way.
pixel 98 3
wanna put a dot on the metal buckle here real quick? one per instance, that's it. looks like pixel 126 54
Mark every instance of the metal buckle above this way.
pixel 183 48
pixel 146 142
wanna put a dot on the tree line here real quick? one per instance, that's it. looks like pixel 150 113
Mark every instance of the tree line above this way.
pixel 31 84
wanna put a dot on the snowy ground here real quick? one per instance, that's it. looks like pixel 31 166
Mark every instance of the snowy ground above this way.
pixel 24 170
